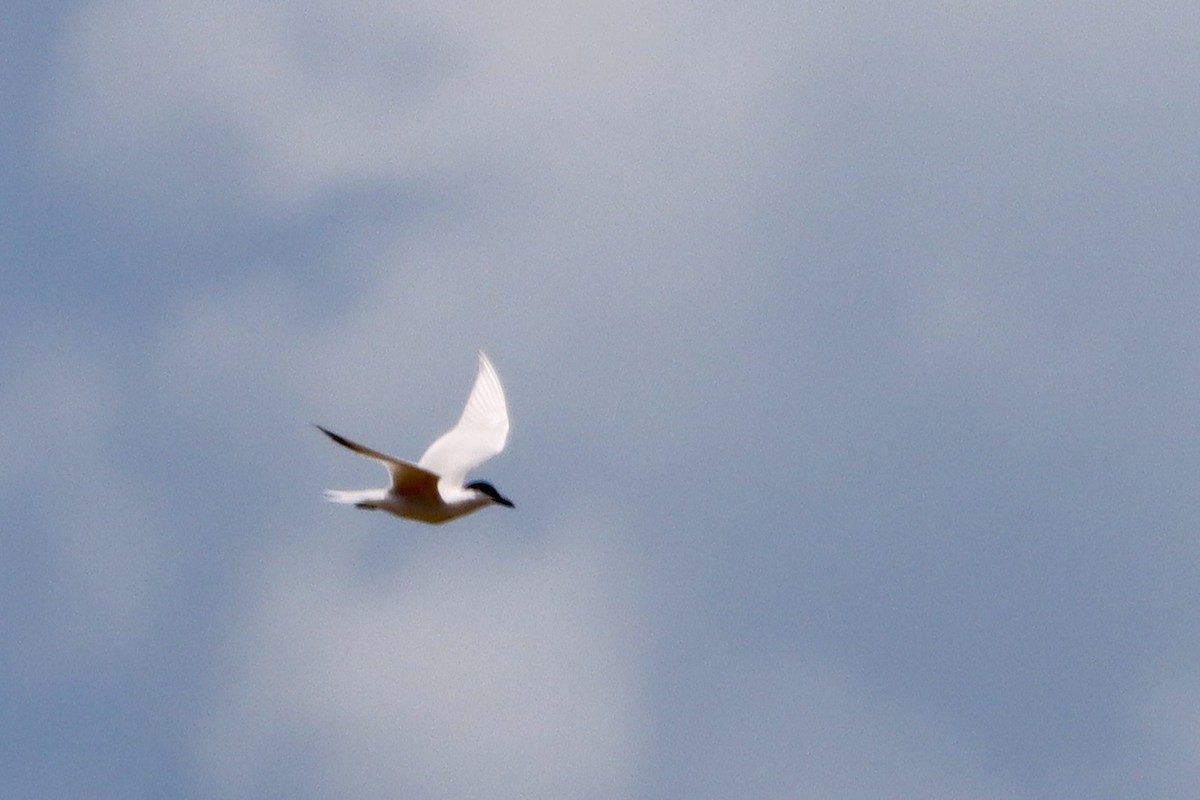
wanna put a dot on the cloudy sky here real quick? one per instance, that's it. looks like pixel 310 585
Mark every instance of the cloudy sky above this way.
pixel 852 357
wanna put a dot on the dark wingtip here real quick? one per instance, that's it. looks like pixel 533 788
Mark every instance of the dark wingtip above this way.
pixel 332 435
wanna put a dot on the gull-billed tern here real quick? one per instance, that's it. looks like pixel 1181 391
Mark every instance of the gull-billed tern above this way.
pixel 432 490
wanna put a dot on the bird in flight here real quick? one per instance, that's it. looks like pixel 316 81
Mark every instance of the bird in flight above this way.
pixel 433 489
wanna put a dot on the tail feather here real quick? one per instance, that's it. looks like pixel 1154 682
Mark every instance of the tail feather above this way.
pixel 353 497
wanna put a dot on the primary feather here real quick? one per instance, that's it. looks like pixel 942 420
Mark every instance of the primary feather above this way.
pixel 480 433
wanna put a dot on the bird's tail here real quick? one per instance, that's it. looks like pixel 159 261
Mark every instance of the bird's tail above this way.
pixel 353 497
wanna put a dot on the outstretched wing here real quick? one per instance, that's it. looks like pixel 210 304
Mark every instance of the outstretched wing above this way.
pixel 480 433
pixel 408 480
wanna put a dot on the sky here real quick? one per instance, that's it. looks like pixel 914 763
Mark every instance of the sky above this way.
pixel 851 355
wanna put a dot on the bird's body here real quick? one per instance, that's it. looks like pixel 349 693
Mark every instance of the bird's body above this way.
pixel 433 489
pixel 387 500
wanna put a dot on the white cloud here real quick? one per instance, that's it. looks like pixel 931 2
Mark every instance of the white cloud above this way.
pixel 228 96
pixel 618 151
pixel 471 670
pixel 280 103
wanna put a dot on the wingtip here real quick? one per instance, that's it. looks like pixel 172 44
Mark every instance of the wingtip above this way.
pixel 485 364
pixel 339 439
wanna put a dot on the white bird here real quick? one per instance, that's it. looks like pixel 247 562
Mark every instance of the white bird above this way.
pixel 432 490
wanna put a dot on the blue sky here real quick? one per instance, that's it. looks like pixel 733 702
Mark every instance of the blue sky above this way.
pixel 851 358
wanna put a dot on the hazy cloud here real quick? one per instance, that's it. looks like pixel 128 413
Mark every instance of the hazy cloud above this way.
pixel 864 338
pixel 473 669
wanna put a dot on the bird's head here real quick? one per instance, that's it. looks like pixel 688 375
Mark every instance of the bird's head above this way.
pixel 483 487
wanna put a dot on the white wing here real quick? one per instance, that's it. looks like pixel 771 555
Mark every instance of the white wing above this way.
pixel 480 433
